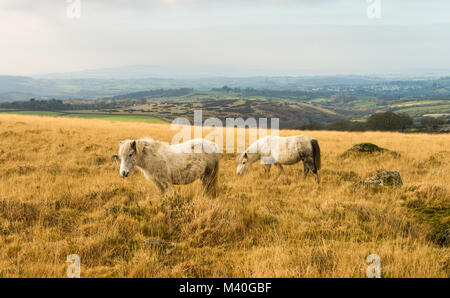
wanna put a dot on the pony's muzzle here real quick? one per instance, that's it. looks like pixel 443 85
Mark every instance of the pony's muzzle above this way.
pixel 124 174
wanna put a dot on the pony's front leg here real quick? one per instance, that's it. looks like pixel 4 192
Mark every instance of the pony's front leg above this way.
pixel 165 187
pixel 169 190
pixel 267 170
pixel 281 170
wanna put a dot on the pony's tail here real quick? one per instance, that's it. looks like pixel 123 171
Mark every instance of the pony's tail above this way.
pixel 316 153
pixel 212 181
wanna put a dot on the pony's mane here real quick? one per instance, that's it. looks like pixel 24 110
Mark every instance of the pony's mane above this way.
pixel 149 145
pixel 149 140
pixel 239 157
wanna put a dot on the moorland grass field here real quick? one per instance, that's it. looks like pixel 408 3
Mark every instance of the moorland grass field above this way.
pixel 61 194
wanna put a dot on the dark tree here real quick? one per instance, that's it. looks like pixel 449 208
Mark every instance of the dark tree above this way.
pixel 389 121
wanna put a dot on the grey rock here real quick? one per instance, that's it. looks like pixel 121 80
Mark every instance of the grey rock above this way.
pixel 385 178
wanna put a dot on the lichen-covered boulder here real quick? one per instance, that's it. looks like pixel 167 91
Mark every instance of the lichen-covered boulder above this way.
pixel 366 148
pixel 385 178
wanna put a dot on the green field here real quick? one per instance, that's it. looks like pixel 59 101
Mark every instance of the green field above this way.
pixel 320 99
pixel 418 111
pixel 364 104
pixel 40 113
pixel 437 115
pixel 419 103
pixel 110 117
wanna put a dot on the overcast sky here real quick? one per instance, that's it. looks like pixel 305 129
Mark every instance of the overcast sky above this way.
pixel 279 37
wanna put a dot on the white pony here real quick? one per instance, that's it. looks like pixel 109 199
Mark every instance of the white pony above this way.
pixel 167 165
pixel 279 151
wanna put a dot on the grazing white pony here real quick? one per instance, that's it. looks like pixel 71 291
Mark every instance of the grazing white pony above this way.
pixel 279 151
pixel 167 165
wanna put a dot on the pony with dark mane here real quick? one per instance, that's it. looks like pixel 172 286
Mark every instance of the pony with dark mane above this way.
pixel 279 151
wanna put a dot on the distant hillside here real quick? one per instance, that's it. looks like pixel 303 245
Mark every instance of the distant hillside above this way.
pixel 112 83
pixel 15 96
pixel 118 73
pixel 291 114
pixel 16 84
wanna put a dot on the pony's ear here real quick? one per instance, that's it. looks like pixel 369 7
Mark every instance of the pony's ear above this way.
pixel 139 147
pixel 133 145
pixel 240 156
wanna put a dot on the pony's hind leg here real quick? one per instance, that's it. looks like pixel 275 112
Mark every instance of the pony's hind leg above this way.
pixel 310 167
pixel 267 169
pixel 209 181
pixel 305 170
pixel 209 186
pixel 316 175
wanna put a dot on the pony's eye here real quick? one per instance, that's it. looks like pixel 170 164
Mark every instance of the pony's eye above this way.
pixel 243 163
pixel 131 154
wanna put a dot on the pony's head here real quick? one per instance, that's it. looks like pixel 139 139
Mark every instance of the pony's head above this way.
pixel 243 164
pixel 127 154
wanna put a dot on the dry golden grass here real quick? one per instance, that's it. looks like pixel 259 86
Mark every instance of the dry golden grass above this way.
pixel 60 194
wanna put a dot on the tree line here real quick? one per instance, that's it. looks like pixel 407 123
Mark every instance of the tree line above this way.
pixel 59 105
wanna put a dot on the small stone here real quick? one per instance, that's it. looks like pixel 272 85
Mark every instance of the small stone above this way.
pixel 99 160
pixel 165 245
pixel 447 236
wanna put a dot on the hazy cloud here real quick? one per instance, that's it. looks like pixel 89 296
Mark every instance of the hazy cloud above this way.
pixel 282 36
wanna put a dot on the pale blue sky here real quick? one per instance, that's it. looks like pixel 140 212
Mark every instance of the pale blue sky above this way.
pixel 279 37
